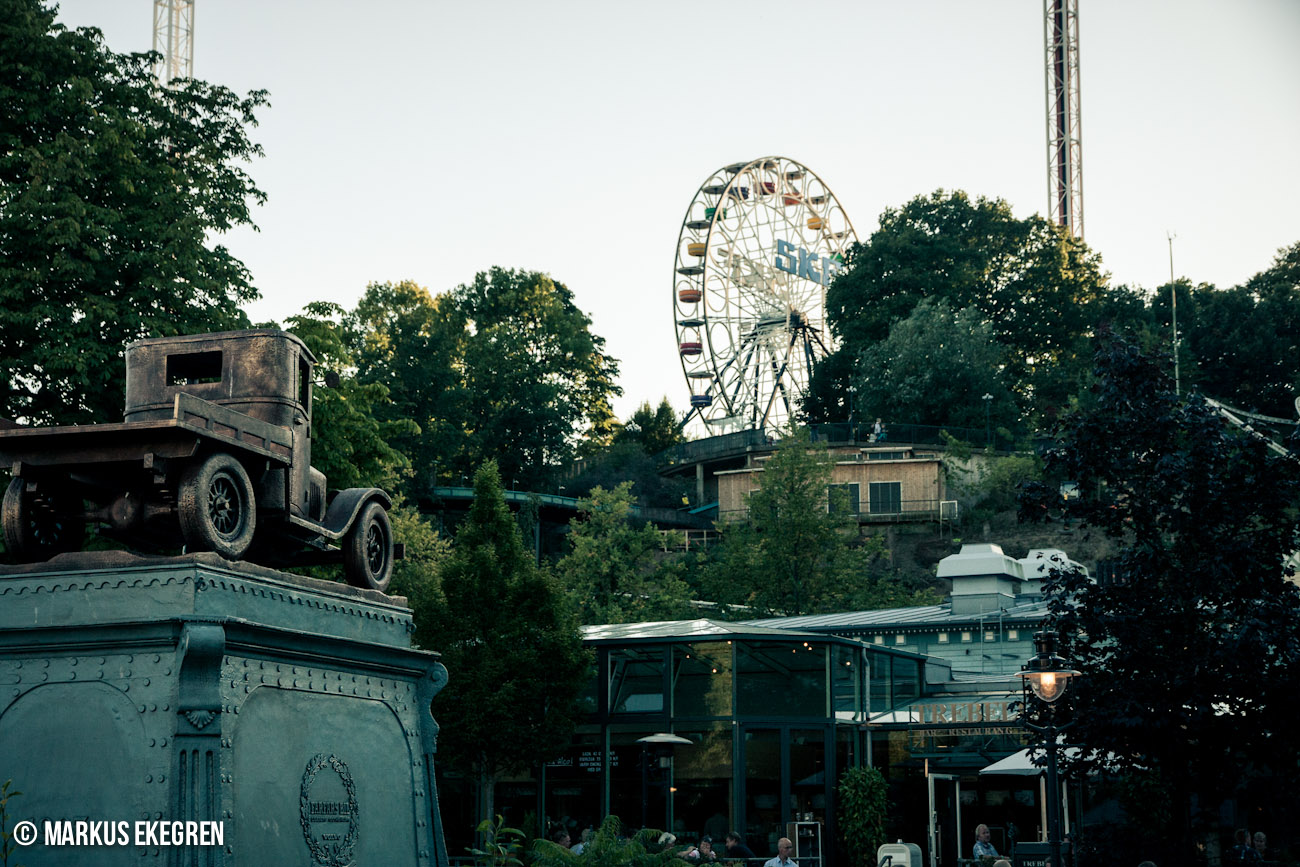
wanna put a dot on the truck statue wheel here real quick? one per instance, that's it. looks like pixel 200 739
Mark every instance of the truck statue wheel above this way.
pixel 368 549
pixel 34 532
pixel 215 506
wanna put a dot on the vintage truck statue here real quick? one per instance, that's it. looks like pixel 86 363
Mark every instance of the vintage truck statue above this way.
pixel 215 453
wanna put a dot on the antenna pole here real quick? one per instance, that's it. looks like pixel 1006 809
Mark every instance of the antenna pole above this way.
pixel 1173 294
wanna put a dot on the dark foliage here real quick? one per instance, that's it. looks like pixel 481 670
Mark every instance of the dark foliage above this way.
pixel 1190 645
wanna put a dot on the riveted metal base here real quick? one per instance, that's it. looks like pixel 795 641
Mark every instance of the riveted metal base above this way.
pixel 260 717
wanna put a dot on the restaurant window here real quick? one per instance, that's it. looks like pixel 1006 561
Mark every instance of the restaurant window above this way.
pixel 636 680
pixel 846 682
pixel 785 678
pixel 943 638
pixel 965 635
pixel 702 679
pixel 907 680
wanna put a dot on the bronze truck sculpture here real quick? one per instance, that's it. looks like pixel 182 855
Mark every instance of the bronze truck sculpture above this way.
pixel 214 452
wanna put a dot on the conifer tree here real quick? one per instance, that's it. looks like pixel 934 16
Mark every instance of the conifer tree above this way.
pixel 511 647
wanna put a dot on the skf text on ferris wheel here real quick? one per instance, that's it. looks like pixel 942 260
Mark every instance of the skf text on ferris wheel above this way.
pixel 805 265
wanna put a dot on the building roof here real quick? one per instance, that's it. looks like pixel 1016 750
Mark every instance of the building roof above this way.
pixel 918 615
pixel 717 630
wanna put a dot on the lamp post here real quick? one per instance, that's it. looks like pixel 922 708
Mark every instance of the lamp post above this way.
pixel 988 419
pixel 1047 675
pixel 853 391
pixel 659 749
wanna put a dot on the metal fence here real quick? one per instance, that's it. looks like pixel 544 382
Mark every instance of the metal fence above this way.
pixel 909 435
pixel 894 511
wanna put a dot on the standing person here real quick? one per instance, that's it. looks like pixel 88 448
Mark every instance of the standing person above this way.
pixel 983 848
pixel 736 847
pixel 1261 845
pixel 784 849
pixel 1244 852
pixel 877 431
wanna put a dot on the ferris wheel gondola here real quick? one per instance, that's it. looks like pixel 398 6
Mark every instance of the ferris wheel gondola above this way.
pixel 760 243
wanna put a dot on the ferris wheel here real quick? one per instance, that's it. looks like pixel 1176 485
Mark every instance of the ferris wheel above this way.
pixel 760 243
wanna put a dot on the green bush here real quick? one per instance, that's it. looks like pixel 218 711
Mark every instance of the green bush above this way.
pixel 863 804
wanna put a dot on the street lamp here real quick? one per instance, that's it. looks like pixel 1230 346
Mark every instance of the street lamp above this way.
pixel 988 419
pixel 852 390
pixel 1047 675
pixel 659 747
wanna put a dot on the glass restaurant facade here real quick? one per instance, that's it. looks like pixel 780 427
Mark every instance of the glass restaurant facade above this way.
pixel 772 717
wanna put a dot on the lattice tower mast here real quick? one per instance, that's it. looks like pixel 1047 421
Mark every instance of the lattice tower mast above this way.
pixel 173 38
pixel 1064 125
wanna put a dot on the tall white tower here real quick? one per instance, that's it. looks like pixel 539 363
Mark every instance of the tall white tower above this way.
pixel 173 38
pixel 1064 126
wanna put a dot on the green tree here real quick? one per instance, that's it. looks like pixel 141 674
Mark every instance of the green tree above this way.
pixel 936 366
pixel 655 429
pixel 1240 345
pixel 613 571
pixel 511 646
pixel 112 189
pixel 790 554
pixel 417 576
pixel 411 343
pixel 1039 289
pixel 627 461
pixel 350 445
pixel 1191 651
pixel 540 379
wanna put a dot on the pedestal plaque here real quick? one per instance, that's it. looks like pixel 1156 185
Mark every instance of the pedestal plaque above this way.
pixel 189 710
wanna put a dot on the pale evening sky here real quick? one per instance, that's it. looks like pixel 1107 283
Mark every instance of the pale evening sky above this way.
pixel 431 140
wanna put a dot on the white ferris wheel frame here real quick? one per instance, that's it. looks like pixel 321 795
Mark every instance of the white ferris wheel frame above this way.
pixel 757 249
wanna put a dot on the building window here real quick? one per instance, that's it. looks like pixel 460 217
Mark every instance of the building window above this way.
pixel 990 635
pixel 885 497
pixel 879 639
pixel 900 638
pixel 943 638
pixel 1013 635
pixel 636 680
pixel 965 635
pixel 843 499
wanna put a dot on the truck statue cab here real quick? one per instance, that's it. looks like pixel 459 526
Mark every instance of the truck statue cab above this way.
pixel 214 453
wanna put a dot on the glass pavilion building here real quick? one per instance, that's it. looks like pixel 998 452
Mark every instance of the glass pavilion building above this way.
pixel 769 717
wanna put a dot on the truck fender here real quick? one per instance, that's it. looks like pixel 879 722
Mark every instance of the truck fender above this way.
pixel 346 505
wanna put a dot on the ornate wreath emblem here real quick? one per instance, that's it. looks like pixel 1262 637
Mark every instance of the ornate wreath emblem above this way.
pixel 330 846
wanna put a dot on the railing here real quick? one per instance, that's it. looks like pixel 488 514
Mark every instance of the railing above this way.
pixel 859 433
pixel 909 435
pixel 712 447
pixel 896 511
pixel 686 540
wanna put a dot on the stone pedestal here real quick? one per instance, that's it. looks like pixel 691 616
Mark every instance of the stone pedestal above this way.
pixel 146 693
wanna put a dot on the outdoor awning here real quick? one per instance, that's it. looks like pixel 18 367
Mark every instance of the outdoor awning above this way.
pixel 1020 765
